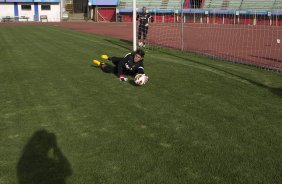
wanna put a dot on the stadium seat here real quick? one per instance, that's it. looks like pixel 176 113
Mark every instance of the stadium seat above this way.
pixel 243 4
pixel 152 4
pixel 213 4
pixel 277 5
pixel 234 5
pixel 155 4
pixel 208 4
pixel 174 4
pixel 257 5
pixel 125 4
pixel 222 4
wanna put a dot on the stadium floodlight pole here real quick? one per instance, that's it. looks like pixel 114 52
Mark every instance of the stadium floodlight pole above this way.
pixel 134 25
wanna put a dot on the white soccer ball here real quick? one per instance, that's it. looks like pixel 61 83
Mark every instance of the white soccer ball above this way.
pixel 140 79
pixel 140 44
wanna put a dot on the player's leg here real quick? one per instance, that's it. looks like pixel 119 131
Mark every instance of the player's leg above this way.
pixel 115 60
pixel 145 32
pixel 139 35
pixel 107 68
pixel 104 66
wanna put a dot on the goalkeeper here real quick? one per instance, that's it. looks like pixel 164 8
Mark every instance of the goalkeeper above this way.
pixel 130 64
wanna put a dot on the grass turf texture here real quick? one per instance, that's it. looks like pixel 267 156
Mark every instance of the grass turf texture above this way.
pixel 196 121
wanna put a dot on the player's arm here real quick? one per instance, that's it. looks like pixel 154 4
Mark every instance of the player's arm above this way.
pixel 151 18
pixel 120 67
pixel 137 17
pixel 140 69
pixel 141 73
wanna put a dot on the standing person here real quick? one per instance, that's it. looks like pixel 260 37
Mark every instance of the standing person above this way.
pixel 145 18
pixel 131 64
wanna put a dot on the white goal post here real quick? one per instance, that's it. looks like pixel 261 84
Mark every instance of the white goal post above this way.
pixel 134 29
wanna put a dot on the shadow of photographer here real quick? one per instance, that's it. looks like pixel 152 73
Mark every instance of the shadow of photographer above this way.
pixel 42 162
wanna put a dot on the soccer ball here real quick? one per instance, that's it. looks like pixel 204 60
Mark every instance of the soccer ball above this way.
pixel 140 44
pixel 140 79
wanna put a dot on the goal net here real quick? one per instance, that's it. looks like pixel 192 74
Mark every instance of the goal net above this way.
pixel 165 24
pixel 248 32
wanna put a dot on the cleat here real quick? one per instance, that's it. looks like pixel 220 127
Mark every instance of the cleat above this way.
pixel 98 63
pixel 104 56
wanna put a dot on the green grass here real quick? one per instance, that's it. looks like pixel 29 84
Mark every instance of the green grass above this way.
pixel 196 121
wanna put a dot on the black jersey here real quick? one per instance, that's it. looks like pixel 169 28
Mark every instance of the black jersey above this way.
pixel 144 18
pixel 128 66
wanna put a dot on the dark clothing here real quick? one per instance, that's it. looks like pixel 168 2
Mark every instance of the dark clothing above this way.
pixel 127 66
pixel 144 19
pixel 144 30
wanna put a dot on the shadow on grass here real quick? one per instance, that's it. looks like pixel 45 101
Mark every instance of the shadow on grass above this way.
pixel 276 91
pixel 133 83
pixel 42 161
pixel 109 69
pixel 117 43
pixel 126 41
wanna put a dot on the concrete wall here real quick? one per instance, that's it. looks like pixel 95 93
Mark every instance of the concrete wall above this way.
pixel 9 9
pixel 27 13
pixel 6 9
pixel 53 14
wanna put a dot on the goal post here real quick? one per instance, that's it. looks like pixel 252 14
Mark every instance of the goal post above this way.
pixel 134 25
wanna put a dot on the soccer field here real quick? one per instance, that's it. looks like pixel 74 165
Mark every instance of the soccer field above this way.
pixel 197 120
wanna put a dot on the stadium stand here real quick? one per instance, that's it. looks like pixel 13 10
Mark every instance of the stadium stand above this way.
pixel 152 4
pixel 174 4
pixel 208 4
pixel 243 4
pixel 257 5
pixel 125 4
pixel 156 4
pixel 149 3
pixel 233 5
pixel 213 4
pixel 277 5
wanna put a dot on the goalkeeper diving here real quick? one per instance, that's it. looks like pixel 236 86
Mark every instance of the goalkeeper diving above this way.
pixel 131 64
